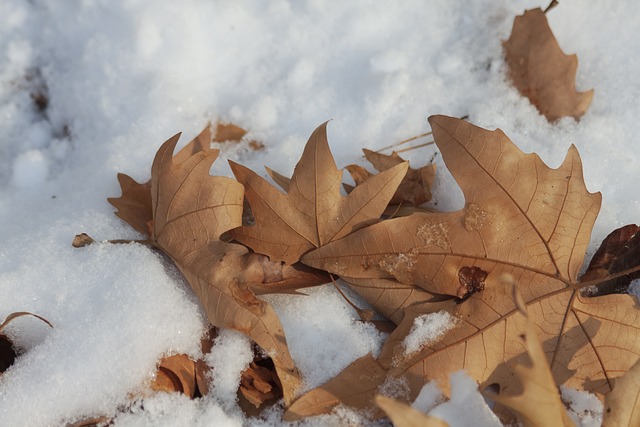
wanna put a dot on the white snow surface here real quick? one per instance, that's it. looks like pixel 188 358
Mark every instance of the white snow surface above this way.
pixel 426 329
pixel 92 88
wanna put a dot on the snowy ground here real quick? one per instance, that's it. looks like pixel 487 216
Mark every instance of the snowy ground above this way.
pixel 121 77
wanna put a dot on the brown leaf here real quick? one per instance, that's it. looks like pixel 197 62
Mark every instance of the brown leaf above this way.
pixel 618 252
pixel 622 404
pixel 415 187
pixel 355 386
pixel 541 71
pixel 312 213
pixel 228 132
pixel 259 384
pixel 520 218
pixel 190 210
pixel 539 404
pixel 7 353
pixel 403 415
pixel 176 373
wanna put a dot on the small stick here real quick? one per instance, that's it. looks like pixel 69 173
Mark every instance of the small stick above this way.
pixel 553 4
pixel 404 141
pixel 416 146
pixel 82 240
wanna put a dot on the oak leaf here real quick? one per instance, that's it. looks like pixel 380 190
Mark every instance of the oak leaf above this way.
pixel 313 212
pixel 190 210
pixel 520 218
pixel 415 187
pixel 541 71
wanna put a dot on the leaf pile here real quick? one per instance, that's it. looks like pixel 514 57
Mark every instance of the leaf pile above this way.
pixel 524 230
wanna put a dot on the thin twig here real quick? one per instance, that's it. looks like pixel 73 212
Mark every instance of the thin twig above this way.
pixel 404 141
pixel 416 146
pixel 553 4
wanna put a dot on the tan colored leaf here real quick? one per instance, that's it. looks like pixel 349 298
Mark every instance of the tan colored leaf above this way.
pixel 355 386
pixel 539 404
pixel 520 218
pixel 415 187
pixel 17 314
pixel 176 373
pixel 622 404
pixel 312 213
pixel 190 210
pixel 403 415
pixel 228 132
pixel 541 71
pixel 259 384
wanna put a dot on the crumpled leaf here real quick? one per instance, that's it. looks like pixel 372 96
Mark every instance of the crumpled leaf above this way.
pixel 541 71
pixel 313 212
pixel 190 210
pixel 618 252
pixel 176 373
pixel 259 384
pixel 622 404
pixel 521 218
pixel 403 415
pixel 415 187
pixel 539 404
pixel 8 353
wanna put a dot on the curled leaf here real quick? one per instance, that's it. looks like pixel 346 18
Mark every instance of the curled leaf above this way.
pixel 541 71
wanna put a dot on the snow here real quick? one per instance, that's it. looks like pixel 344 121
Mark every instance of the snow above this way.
pixel 119 78
pixel 426 329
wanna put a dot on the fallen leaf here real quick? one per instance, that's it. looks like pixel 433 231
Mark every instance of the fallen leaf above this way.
pixel 622 404
pixel 190 210
pixel 541 71
pixel 259 384
pixel 539 404
pixel 521 218
pixel 228 132
pixel 415 187
pixel 313 212
pixel 403 415
pixel 176 373
pixel 355 386
pixel 618 252
pixel 8 353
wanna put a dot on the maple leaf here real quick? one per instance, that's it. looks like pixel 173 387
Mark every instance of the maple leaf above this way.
pixel 312 213
pixel 190 210
pixel 521 218
pixel 541 71
pixel 415 187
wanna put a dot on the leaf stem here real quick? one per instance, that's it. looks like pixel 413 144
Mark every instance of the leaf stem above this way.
pixel 83 239
pixel 600 280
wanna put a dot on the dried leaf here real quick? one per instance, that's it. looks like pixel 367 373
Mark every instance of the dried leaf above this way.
pixel 539 404
pixel 190 210
pixel 312 213
pixel 622 404
pixel 355 386
pixel 520 218
pixel 176 373
pixel 259 384
pixel 228 132
pixel 618 252
pixel 541 71
pixel 403 415
pixel 415 187
pixel 17 314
